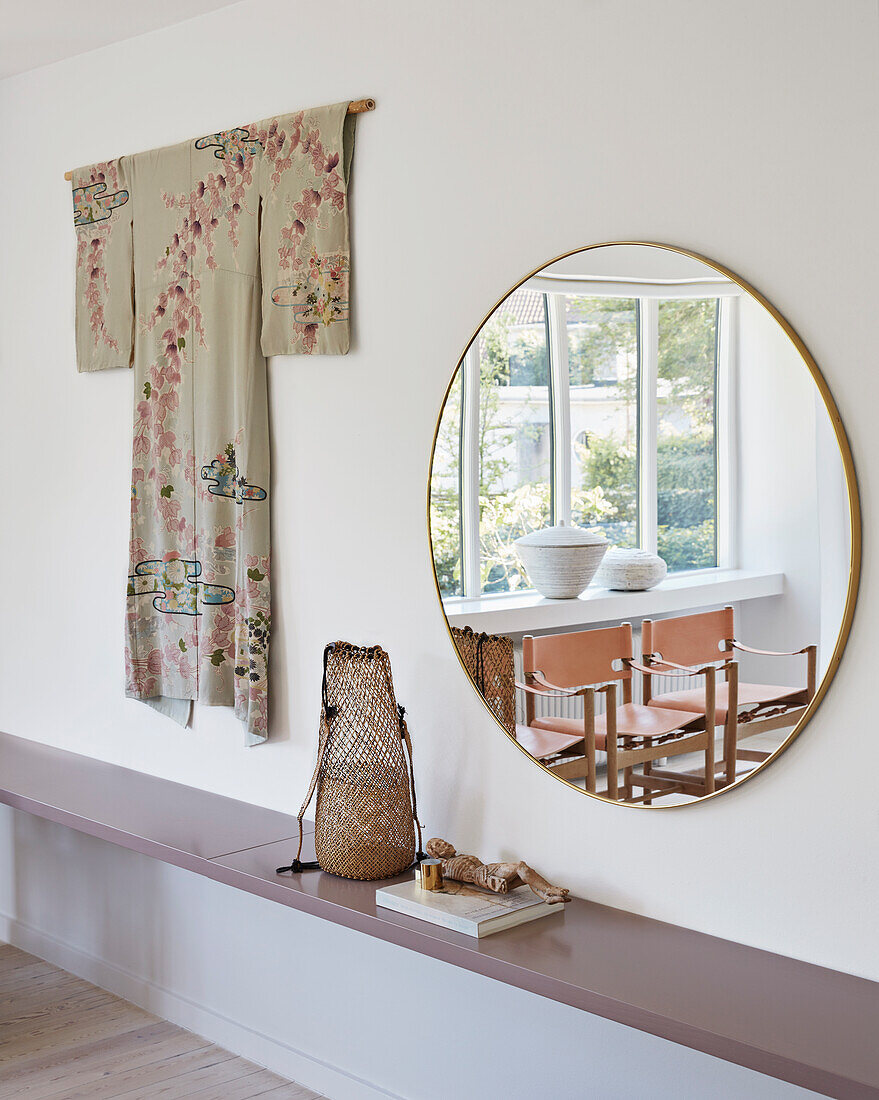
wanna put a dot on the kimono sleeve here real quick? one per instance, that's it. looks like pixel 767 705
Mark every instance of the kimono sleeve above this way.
pixel 104 275
pixel 304 239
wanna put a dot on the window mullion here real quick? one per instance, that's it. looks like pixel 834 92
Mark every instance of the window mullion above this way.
pixel 648 421
pixel 725 415
pixel 472 580
pixel 561 405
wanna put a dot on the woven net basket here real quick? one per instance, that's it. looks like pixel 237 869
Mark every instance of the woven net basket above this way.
pixel 366 814
pixel 489 660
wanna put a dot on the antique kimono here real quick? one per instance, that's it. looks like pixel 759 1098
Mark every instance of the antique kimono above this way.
pixel 193 263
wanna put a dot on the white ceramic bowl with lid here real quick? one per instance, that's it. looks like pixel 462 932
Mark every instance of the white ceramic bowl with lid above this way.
pixel 561 561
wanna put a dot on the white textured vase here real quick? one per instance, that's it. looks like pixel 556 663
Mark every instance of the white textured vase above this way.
pixel 561 560
pixel 630 570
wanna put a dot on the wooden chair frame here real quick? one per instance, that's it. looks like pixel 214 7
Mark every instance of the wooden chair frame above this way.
pixel 665 779
pixel 785 712
pixel 695 736
pixel 730 671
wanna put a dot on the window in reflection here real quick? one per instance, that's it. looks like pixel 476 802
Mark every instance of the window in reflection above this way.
pixel 590 409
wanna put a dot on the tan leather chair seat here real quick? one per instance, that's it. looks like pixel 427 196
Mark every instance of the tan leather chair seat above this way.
pixel 749 695
pixel 633 720
pixel 543 742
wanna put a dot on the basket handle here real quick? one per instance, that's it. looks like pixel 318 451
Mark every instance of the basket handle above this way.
pixel 329 713
pixel 404 734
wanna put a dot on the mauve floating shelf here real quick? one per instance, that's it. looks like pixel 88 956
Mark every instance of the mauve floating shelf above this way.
pixel 801 1023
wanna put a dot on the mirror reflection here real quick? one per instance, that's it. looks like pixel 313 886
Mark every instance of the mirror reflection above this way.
pixel 640 523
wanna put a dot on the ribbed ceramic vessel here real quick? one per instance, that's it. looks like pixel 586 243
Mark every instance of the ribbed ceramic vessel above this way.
pixel 561 561
pixel 630 570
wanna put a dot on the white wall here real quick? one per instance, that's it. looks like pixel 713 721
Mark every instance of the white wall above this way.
pixel 780 524
pixel 504 135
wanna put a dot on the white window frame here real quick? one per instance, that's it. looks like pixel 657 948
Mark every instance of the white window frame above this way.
pixel 648 296
pixel 648 419
pixel 471 567
pixel 560 388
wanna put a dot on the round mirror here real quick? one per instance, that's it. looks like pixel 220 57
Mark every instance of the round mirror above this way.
pixel 644 524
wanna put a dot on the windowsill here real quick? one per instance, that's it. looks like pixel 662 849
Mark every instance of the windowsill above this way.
pixel 517 612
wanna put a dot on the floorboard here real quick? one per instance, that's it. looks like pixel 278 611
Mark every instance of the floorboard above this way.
pixel 64 1039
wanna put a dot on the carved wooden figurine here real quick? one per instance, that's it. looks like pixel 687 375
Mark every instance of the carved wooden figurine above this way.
pixel 500 878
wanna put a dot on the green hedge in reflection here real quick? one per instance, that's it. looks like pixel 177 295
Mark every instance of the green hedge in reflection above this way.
pixel 685 478
pixel 610 465
pixel 687 547
pixel 685 497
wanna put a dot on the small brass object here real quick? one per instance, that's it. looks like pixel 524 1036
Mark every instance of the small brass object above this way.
pixel 431 874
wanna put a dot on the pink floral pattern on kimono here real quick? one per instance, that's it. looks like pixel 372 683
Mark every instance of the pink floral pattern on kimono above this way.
pixel 102 218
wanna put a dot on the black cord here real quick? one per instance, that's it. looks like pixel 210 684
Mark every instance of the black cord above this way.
pixel 298 865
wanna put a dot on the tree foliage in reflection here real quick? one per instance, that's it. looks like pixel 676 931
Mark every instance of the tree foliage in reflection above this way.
pixel 445 495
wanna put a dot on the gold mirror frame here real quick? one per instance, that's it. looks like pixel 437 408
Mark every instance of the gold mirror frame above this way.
pixel 851 482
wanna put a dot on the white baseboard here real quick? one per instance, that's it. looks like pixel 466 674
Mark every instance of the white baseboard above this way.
pixel 287 1061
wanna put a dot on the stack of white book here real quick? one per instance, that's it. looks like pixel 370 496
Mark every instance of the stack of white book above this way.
pixel 464 908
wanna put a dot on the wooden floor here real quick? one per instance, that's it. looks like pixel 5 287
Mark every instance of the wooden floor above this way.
pixel 63 1038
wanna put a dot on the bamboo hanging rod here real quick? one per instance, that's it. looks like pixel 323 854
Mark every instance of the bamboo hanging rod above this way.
pixel 355 107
